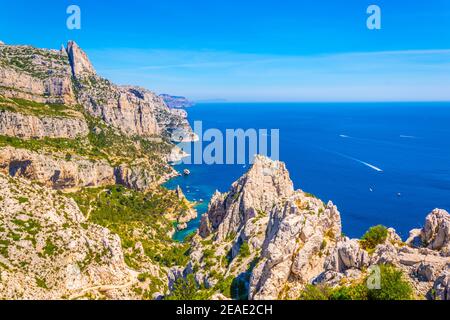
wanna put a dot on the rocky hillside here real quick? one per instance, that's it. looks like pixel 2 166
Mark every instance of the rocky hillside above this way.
pixel 48 249
pixel 265 240
pixel 66 126
pixel 68 77
pixel 81 163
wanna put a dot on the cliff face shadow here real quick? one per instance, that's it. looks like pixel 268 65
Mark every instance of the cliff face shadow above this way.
pixel 18 168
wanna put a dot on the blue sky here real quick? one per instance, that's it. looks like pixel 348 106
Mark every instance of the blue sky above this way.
pixel 253 50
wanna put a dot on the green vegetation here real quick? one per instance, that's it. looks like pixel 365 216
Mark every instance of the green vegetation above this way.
pixel 187 289
pixel 374 236
pixel 37 109
pixel 224 286
pixel 50 248
pixel 137 217
pixel 244 250
pixel 33 61
pixel 102 143
pixel 393 286
pixel 22 200
pixel 41 283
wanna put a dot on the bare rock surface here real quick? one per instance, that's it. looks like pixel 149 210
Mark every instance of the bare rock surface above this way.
pixel 265 184
pixel 55 253
pixel 292 239
pixel 68 77
pixel 24 126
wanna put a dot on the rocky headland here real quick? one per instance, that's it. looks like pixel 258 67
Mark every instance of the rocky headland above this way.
pixel 268 241
pixel 84 215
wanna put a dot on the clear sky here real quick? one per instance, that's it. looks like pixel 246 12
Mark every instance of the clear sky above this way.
pixel 285 50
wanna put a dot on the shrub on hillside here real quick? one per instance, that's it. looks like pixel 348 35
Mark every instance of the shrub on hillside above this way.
pixel 393 286
pixel 374 236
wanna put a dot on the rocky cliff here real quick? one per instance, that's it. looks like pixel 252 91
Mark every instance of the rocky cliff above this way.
pixel 14 124
pixel 270 242
pixel 68 77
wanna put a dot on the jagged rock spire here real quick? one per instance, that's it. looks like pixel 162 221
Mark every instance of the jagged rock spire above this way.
pixel 79 61
pixel 258 190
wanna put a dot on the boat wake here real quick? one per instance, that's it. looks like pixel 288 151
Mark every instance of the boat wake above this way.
pixel 360 161
pixel 357 160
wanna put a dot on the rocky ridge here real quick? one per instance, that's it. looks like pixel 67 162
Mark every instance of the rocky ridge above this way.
pixel 64 127
pixel 273 241
pixel 23 126
pixel 68 77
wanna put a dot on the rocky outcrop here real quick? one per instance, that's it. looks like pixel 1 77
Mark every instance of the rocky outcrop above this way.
pixel 298 238
pixel 67 76
pixel 176 101
pixel 347 254
pixel 54 171
pixel 57 172
pixel 79 61
pixel 35 74
pixel 292 239
pixel 55 253
pixel 264 185
pixel 435 234
pixel 23 126
pixel 441 288
pixel 140 175
pixel 133 110
pixel 422 265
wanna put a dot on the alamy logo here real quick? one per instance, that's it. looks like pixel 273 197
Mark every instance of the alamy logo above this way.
pixel 374 20
pixel 374 278
pixel 74 20
pixel 231 146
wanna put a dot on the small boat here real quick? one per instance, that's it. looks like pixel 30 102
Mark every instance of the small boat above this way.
pixel 186 172
pixel 370 189
pixel 399 194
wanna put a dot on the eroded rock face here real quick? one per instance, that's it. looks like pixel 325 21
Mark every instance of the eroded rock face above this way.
pixel 264 185
pixel 298 238
pixel 56 172
pixel 53 171
pixel 19 125
pixel 36 74
pixel 442 286
pixel 347 255
pixel 297 241
pixel 55 253
pixel 436 232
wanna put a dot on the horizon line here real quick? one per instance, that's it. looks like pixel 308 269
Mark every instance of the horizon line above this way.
pixel 318 102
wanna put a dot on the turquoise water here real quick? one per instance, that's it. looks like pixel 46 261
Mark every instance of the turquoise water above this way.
pixel 380 163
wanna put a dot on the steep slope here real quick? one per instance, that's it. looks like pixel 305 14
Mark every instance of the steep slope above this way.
pixel 107 147
pixel 49 250
pixel 263 240
pixel 54 108
pixel 67 77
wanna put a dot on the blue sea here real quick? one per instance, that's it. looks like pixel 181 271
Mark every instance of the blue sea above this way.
pixel 380 163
